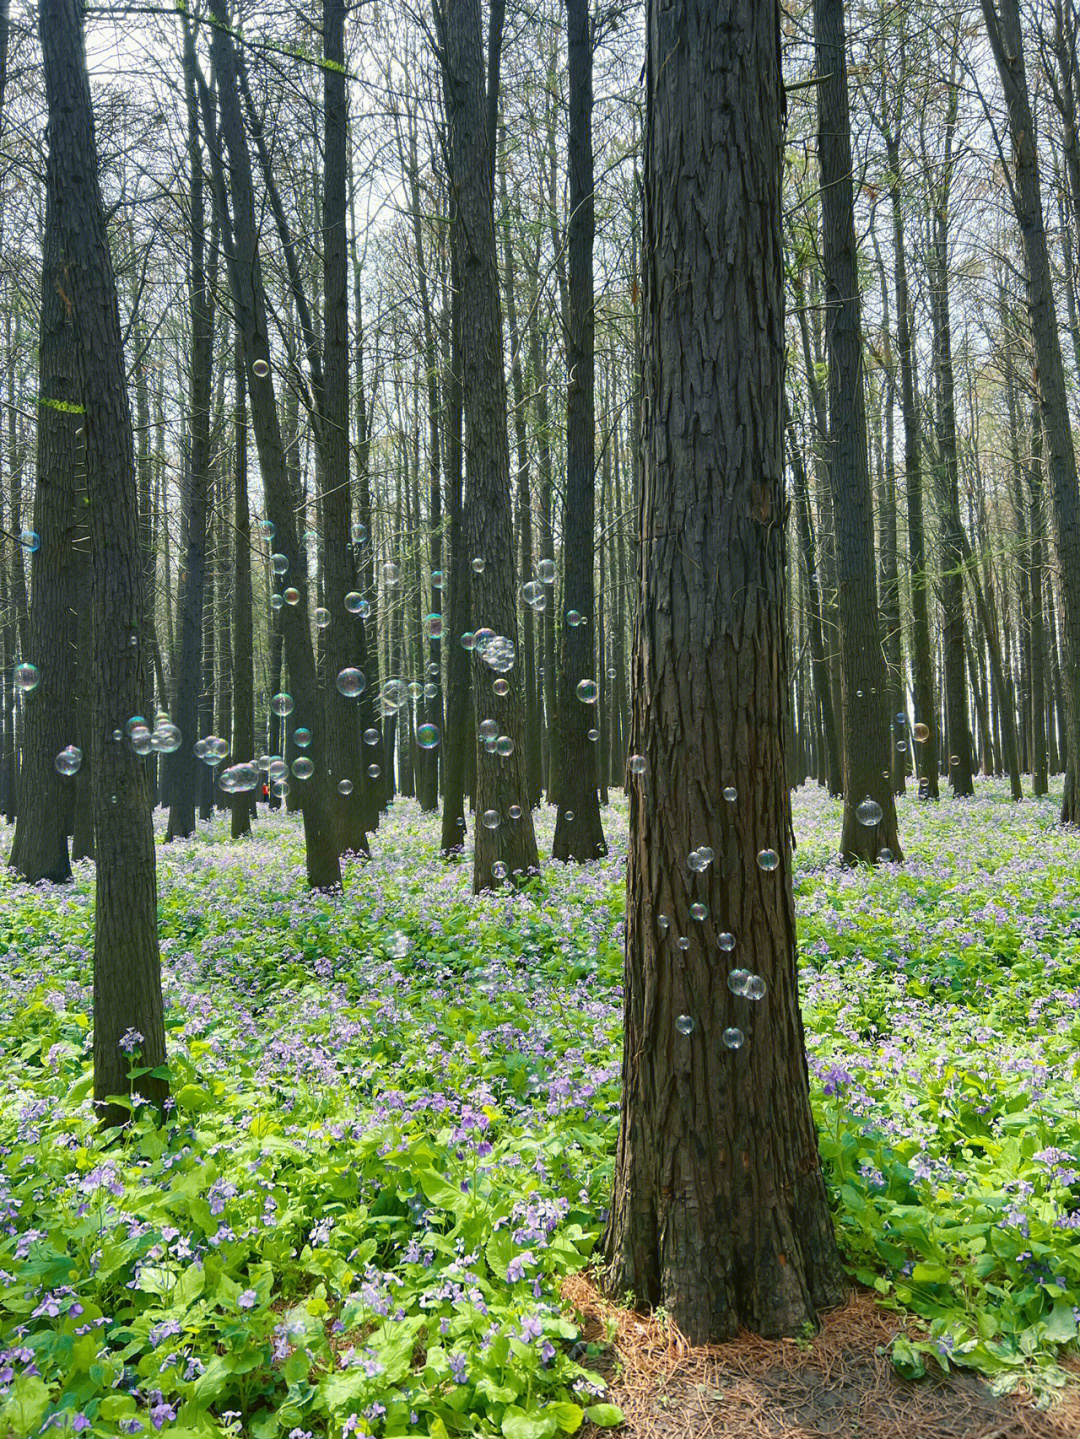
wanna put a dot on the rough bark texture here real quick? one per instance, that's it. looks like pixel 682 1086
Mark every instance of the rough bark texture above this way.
pixel 862 668
pixel 1006 40
pixel 500 781
pixel 719 1211
pixel 243 727
pixel 579 833
pixel 40 847
pixel 127 971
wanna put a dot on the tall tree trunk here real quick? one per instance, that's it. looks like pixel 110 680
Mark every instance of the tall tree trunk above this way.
pixel 456 738
pixel 1006 40
pixel 1039 760
pixel 579 833
pixel 502 841
pixel 243 744
pixel 869 826
pixel 127 970
pixel 718 1214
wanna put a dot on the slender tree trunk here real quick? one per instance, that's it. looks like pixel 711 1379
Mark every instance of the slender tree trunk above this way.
pixel 456 738
pixel 869 826
pixel 127 973
pixel 717 1215
pixel 1039 759
pixel 243 745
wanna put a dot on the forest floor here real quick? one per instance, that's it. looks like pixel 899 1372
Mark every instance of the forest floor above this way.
pixel 374 1203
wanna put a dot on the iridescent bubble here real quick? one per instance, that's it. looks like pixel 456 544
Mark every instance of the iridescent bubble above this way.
pixel 901 720
pixel 436 579
pixel 261 369
pixel 683 942
pixel 268 529
pixel 433 627
pixel 685 1024
pixel 353 601
pixel 241 778
pixel 264 762
pixel 374 771
pixel 726 941
pixel 392 696
pixel 30 540
pixel 303 768
pixel 514 811
pixel 504 745
pixel 954 759
pixel 730 793
pixel 141 739
pixel 587 691
pixel 371 736
pixel 134 723
pixel 699 911
pixel 868 812
pixel 430 691
pixel 277 602
pixel 594 735
pixel 754 987
pixel 292 596
pixel 282 704
pixel 736 980
pixel 416 690
pixel 885 856
pixel 478 565
pixel 488 729
pixel 27 677
pixel 636 764
pixel 901 746
pixel 490 819
pixel 499 869
pixel 344 786
pixel 302 736
pixel 351 682
pixel 573 618
pixel 280 787
pixel 277 768
pixel 733 1038
pixel 359 534
pixel 569 816
pixel 768 860
pixel 279 563
pixel 501 686
pixel 427 736
pixel 663 923
pixel 390 573
pixel 68 760
pixel 921 732
pixel 363 609
pixel 322 617
pixel 546 570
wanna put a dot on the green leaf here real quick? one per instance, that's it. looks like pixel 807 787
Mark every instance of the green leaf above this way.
pixel 907 1361
pixel 25 1407
pixel 517 1424
pixel 567 1416
pixel 193 1097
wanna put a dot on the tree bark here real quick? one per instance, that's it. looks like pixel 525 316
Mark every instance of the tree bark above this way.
pixel 719 1212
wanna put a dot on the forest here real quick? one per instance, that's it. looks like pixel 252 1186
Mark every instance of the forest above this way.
pixel 540 719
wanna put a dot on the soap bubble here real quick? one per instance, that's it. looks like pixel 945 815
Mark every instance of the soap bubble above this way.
pixel 730 793
pixel 868 812
pixel 261 369
pixel 490 819
pixel 303 768
pixel 594 735
pixel 699 911
pixel 755 987
pixel 371 736
pixel 427 736
pixel 488 729
pixel 353 601
pixel 531 591
pixel 363 609
pixel 514 811
pixel 292 596
pixel 478 565
pixel 302 736
pixel 733 1038
pixel 886 856
pixel 636 764
pixel 30 540
pixel 392 696
pixel 436 579
pixel 587 691
pixel 433 627
pixel 499 869
pixel 416 690
pixel 322 617
pixel 344 786
pixel 901 746
pixel 546 570
pixel 268 529
pixel 901 720
pixel 430 691
pixel 683 942
pixel 663 923
pixel 569 816
pixel 68 760
pixel 768 860
pixel 736 980
pixel 374 771
pixel 685 1024
pixel 573 618
pixel 277 602
pixel 282 704
pixel 280 787
pixel 468 640
pixel 504 745
pixel 141 739
pixel 239 778
pixel 705 854
pixel 726 941
pixel 351 682
pixel 134 723
pixel 27 677
pixel 277 768
pixel 390 573
pixel 359 534
pixel 279 563
pixel 921 732
pixel 501 686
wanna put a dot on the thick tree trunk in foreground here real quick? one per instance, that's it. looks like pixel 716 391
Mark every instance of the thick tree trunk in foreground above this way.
pixel 127 971
pixel 719 1212
pixel 1006 40
pixel 40 847
pixel 579 833
pixel 508 839
pixel 863 683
